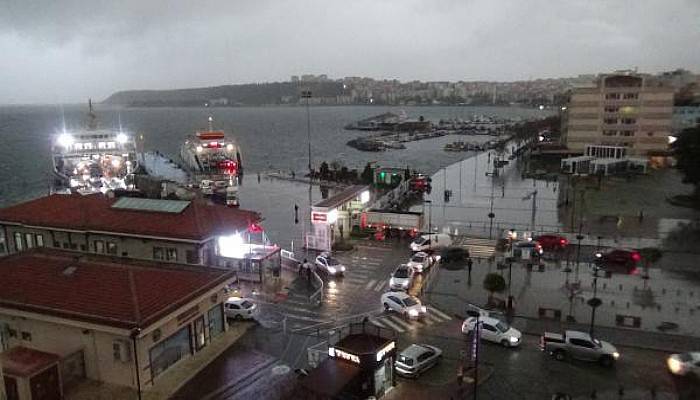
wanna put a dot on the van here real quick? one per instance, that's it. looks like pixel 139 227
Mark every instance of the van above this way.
pixel 431 241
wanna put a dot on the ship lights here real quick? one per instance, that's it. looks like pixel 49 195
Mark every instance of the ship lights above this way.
pixel 116 163
pixel 200 149
pixel 233 246
pixel 122 138
pixel 65 139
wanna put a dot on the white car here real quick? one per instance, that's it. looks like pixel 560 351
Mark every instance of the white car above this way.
pixel 416 359
pixel 430 242
pixel 329 265
pixel 421 261
pixel 684 364
pixel 240 308
pixel 402 303
pixel 401 278
pixel 494 330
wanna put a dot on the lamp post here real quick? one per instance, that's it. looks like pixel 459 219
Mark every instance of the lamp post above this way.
pixel 430 220
pixel 306 94
pixel 594 302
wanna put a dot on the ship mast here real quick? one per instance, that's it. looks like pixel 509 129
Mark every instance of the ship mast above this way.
pixel 92 118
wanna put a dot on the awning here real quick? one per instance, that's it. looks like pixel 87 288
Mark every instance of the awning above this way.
pixel 24 362
pixel 330 377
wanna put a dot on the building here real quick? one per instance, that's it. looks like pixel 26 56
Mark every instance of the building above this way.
pixel 621 109
pixel 66 317
pixel 172 231
pixel 332 218
pixel 685 117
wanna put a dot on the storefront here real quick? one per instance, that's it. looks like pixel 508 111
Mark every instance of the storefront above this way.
pixel 359 365
pixel 250 254
pixel 332 218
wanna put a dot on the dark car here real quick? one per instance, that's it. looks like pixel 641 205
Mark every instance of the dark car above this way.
pixel 552 242
pixel 618 257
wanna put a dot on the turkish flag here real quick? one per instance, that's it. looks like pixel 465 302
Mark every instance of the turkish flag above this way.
pixel 254 228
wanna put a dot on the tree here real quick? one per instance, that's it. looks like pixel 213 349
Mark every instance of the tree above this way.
pixel 494 283
pixel 323 170
pixel 687 152
pixel 650 255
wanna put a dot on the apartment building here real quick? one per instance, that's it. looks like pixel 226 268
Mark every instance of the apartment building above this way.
pixel 624 109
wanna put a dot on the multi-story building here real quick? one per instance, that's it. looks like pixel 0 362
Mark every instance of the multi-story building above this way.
pixel 685 117
pixel 66 317
pixel 624 109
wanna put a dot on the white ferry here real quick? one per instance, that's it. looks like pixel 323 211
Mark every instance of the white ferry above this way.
pixel 93 160
pixel 213 161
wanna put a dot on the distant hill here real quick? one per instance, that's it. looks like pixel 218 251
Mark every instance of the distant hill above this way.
pixel 229 95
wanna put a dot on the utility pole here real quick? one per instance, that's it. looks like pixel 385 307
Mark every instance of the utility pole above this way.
pixel 306 94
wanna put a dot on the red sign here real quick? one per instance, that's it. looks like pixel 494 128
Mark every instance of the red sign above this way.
pixel 319 217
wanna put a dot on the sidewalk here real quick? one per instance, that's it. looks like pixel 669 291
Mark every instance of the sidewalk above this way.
pixel 415 390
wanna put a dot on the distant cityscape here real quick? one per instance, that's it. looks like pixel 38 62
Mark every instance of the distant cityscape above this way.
pixel 369 91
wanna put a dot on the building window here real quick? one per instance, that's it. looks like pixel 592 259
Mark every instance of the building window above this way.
pixel 39 240
pixel 626 133
pixel 29 240
pixel 612 109
pixel 169 351
pixel 631 96
pixel 66 245
pixel 171 254
pixel 158 253
pixel 27 336
pixel 56 244
pixel 99 246
pixel 216 320
pixel 629 121
pixel 112 248
pixel 609 133
pixel 18 242
pixel 610 121
pixel 192 256
pixel 612 96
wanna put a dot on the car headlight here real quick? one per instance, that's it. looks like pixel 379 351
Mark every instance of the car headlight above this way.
pixel 331 270
pixel 413 313
pixel 513 339
pixel 404 284
pixel 392 281
pixel 423 309
pixel 616 355
pixel 342 268
pixel 674 365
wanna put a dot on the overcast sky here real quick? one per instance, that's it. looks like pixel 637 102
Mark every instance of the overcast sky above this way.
pixel 67 50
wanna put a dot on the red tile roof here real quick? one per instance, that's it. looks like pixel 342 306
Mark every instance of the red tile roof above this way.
pixel 23 362
pixel 103 290
pixel 199 221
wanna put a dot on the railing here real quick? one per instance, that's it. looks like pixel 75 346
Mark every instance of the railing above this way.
pixel 317 296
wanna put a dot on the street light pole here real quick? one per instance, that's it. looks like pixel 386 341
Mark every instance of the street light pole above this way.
pixel 594 302
pixel 430 221
pixel 306 94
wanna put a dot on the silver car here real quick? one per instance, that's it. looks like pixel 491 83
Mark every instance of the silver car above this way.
pixel 416 359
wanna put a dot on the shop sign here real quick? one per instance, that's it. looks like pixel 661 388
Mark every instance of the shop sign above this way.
pixel 333 352
pixel 319 217
pixel 381 353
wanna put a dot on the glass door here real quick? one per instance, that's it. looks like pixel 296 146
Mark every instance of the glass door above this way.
pixel 199 334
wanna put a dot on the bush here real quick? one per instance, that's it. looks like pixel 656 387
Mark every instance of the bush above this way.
pixel 494 283
pixel 454 255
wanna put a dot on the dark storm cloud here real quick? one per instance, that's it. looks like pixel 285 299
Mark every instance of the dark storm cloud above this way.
pixel 68 50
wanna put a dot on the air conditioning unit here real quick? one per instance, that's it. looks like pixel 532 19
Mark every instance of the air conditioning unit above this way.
pixel 121 350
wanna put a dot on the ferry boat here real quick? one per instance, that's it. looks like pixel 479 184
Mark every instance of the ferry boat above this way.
pixel 213 161
pixel 93 160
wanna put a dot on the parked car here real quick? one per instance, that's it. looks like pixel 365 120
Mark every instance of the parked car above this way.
pixel 684 364
pixel 240 308
pixel 404 304
pixel 476 311
pixel 552 242
pixel 430 242
pixel 618 257
pixel 494 330
pixel 421 261
pixel 329 265
pixel 416 359
pixel 578 345
pixel 401 278
pixel 526 250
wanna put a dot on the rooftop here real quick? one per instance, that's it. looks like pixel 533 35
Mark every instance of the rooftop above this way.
pixel 193 221
pixel 23 362
pixel 102 290
pixel 342 197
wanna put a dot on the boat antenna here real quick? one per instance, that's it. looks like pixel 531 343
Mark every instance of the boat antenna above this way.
pixel 92 118
pixel 211 123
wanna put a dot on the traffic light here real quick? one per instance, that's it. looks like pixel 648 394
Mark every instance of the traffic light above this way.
pixel 448 194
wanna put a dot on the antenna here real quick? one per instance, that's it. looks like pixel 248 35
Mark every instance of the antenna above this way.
pixel 211 124
pixel 92 118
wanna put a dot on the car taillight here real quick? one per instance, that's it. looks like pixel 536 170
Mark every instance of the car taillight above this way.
pixel 636 257
pixel 562 242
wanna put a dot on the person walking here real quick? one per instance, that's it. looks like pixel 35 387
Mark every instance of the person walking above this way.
pixel 302 265
pixel 469 265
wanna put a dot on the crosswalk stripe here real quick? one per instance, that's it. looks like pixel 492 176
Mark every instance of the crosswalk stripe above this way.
pixel 400 321
pixel 377 323
pixel 379 286
pixel 434 318
pixel 355 279
pixel 440 313
pixel 392 325
pixel 370 284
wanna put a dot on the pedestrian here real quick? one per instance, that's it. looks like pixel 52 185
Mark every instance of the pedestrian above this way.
pixel 641 215
pixel 302 265
pixel 469 265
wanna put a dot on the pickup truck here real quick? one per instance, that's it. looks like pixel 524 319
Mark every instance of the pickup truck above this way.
pixel 578 345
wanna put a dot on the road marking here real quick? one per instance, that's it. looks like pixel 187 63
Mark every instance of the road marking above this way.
pixel 377 323
pixel 303 318
pixel 400 321
pixel 379 286
pixel 392 325
pixel 440 313
pixel 370 284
